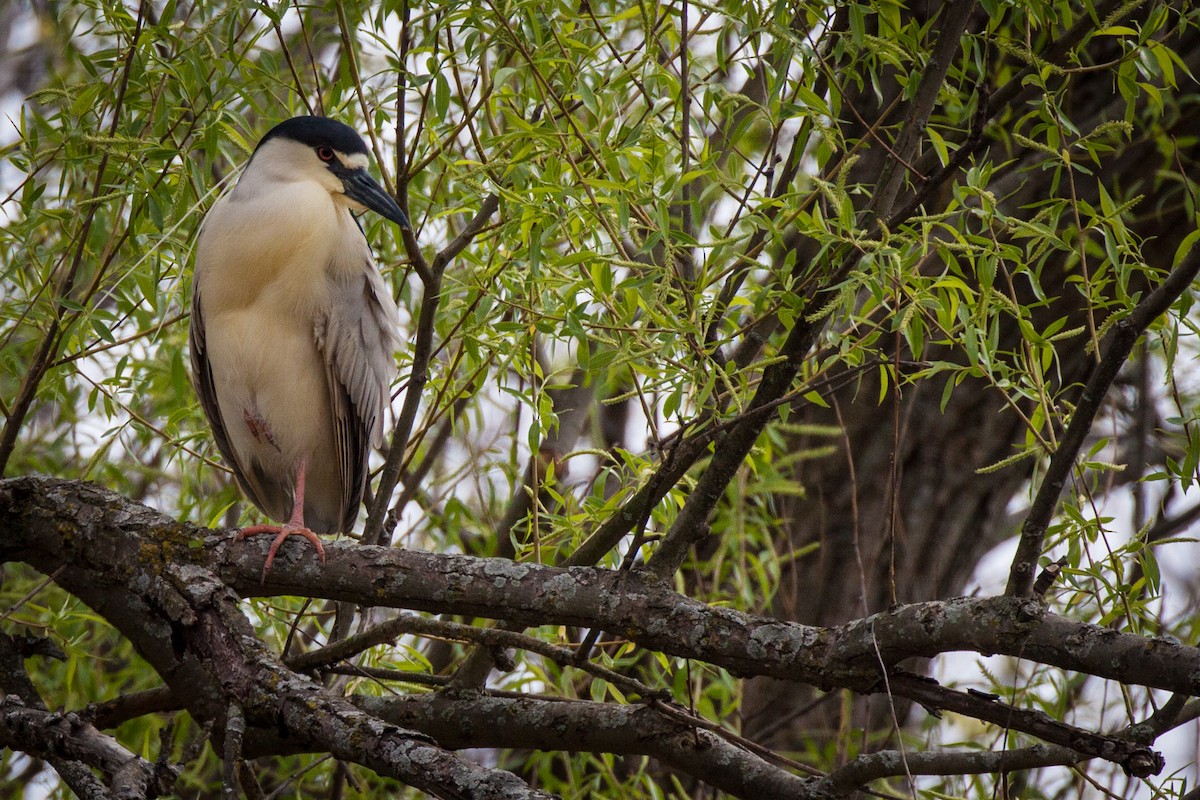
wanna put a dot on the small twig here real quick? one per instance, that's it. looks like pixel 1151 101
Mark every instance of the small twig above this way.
pixel 124 340
pixel 488 637
pixel 1047 577
pixel 32 593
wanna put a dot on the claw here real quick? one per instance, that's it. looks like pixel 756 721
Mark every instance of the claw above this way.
pixel 281 533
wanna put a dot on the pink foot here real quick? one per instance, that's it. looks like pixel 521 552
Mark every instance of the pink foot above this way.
pixel 281 532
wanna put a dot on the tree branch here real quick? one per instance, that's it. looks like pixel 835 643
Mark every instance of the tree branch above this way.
pixel 109 541
pixel 125 707
pixel 14 681
pixel 123 562
pixel 486 637
pixel 476 720
pixel 733 448
pixel 374 532
pixel 950 33
pixel 884 764
pixel 270 694
pixel 1117 347
pixel 1134 757
pixel 69 738
pixel 1017 90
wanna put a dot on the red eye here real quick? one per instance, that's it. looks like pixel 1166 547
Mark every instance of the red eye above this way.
pixel 325 153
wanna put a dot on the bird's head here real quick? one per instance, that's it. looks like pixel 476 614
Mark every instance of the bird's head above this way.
pixel 328 152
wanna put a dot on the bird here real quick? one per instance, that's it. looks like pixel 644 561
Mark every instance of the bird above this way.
pixel 293 333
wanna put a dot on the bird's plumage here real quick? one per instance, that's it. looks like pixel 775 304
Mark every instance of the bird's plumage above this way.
pixel 293 331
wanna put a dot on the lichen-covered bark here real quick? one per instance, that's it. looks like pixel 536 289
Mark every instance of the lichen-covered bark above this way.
pixel 169 588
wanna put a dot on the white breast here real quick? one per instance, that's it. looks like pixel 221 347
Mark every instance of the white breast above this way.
pixel 263 281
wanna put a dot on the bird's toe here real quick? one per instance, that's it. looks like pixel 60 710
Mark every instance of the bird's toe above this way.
pixel 282 532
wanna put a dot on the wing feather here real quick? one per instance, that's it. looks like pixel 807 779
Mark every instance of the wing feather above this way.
pixel 357 336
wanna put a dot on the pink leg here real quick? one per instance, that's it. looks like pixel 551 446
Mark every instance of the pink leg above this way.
pixel 293 527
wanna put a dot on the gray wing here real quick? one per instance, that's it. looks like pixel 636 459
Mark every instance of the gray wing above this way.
pixel 272 496
pixel 357 336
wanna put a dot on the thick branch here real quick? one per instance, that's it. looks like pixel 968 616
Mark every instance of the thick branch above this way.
pixel 69 738
pixel 132 565
pixel 14 680
pixel 50 521
pixel 270 694
pixel 647 611
pixel 474 720
pixel 111 544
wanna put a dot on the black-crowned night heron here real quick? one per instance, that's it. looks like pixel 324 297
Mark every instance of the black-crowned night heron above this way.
pixel 293 332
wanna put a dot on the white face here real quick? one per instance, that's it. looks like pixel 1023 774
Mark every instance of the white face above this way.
pixel 285 161
pixel 354 160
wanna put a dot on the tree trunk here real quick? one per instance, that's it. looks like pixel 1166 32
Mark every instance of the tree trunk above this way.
pixel 920 521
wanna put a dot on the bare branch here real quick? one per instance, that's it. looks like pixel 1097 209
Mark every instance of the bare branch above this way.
pixel 487 637
pixel 15 682
pixel 270 694
pixel 475 720
pixel 68 737
pixel 883 764
pixel 1134 757
pixel 1117 347
pixel 389 476
pixel 109 534
pixel 125 707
